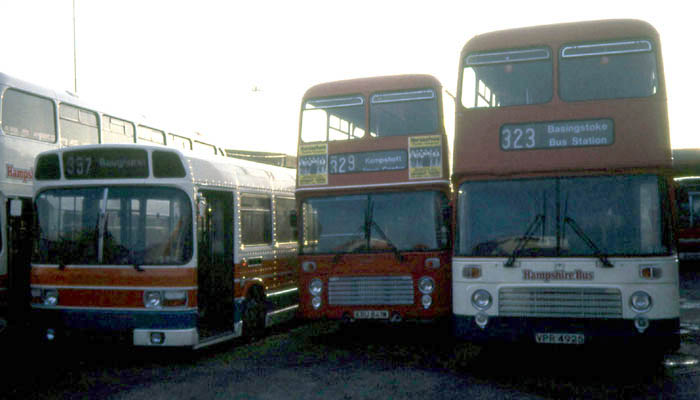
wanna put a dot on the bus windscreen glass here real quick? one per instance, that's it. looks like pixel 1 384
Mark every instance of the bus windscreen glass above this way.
pixel 135 226
pixel 409 221
pixel 560 217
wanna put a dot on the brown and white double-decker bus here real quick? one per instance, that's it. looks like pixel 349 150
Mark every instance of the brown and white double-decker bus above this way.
pixel 373 193
pixel 563 187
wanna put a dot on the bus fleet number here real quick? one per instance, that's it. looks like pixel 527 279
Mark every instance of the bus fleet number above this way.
pixel 517 139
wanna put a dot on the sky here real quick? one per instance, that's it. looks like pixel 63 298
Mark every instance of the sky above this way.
pixel 237 70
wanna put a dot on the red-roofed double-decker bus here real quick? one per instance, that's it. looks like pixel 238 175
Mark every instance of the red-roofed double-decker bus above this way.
pixel 563 188
pixel 373 196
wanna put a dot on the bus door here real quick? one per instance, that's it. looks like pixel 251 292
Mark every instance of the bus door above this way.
pixel 215 264
pixel 19 216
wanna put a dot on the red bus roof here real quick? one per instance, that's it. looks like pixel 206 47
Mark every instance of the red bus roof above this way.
pixel 366 86
pixel 641 138
pixel 381 146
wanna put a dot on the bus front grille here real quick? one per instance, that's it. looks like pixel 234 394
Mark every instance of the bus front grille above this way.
pixel 559 302
pixel 370 290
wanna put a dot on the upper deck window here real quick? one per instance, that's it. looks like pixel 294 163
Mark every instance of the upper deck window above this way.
pixel 115 130
pixel 78 126
pixel 336 118
pixel 609 70
pixel 179 142
pixel 151 135
pixel 507 78
pixel 204 148
pixel 28 116
pixel 403 113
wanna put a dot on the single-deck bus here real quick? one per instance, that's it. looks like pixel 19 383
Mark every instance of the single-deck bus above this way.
pixel 373 192
pixel 563 188
pixel 35 119
pixel 161 248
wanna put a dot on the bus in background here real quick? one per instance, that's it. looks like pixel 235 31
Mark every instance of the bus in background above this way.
pixel 160 248
pixel 563 188
pixel 372 194
pixel 35 119
pixel 686 173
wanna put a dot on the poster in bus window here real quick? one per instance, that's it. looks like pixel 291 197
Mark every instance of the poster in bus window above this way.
pixel 424 157
pixel 313 164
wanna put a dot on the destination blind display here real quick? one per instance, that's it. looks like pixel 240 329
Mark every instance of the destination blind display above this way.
pixel 557 134
pixel 389 160
pixel 105 164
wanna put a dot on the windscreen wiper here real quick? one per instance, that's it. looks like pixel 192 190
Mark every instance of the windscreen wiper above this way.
pixel 539 218
pixel 393 247
pixel 590 243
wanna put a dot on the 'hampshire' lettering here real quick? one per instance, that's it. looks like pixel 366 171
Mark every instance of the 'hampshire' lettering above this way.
pixel 19 173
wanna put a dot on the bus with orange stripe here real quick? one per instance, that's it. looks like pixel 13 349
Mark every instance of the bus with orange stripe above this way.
pixel 150 246
pixel 35 119
pixel 373 191
pixel 563 184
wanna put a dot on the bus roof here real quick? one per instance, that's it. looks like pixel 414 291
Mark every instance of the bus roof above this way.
pixel 366 86
pixel 558 34
pixel 637 126
pixel 205 171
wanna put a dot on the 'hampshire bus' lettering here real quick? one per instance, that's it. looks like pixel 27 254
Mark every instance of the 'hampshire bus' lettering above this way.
pixel 577 275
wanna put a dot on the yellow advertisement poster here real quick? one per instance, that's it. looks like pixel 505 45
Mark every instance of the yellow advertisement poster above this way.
pixel 424 157
pixel 313 164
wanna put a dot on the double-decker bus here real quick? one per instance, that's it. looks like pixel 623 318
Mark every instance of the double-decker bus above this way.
pixel 563 188
pixel 686 172
pixel 373 197
pixel 151 246
pixel 35 119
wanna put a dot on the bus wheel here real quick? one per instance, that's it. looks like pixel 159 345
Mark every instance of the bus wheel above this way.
pixel 254 315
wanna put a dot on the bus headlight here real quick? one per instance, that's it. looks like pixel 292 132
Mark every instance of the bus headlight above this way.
pixel 426 301
pixel 426 285
pixel 316 302
pixel 640 302
pixel 316 287
pixel 308 266
pixel 50 297
pixel 481 299
pixel 152 300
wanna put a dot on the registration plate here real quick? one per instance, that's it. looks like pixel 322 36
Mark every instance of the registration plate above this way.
pixel 371 314
pixel 560 338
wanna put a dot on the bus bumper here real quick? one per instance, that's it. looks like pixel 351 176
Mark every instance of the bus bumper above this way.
pixel 176 328
pixel 662 334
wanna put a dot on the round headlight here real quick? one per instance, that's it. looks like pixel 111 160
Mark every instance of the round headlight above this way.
pixel 316 302
pixel 426 300
pixel 481 299
pixel 152 300
pixel 308 266
pixel 640 302
pixel 315 287
pixel 426 285
pixel 51 297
